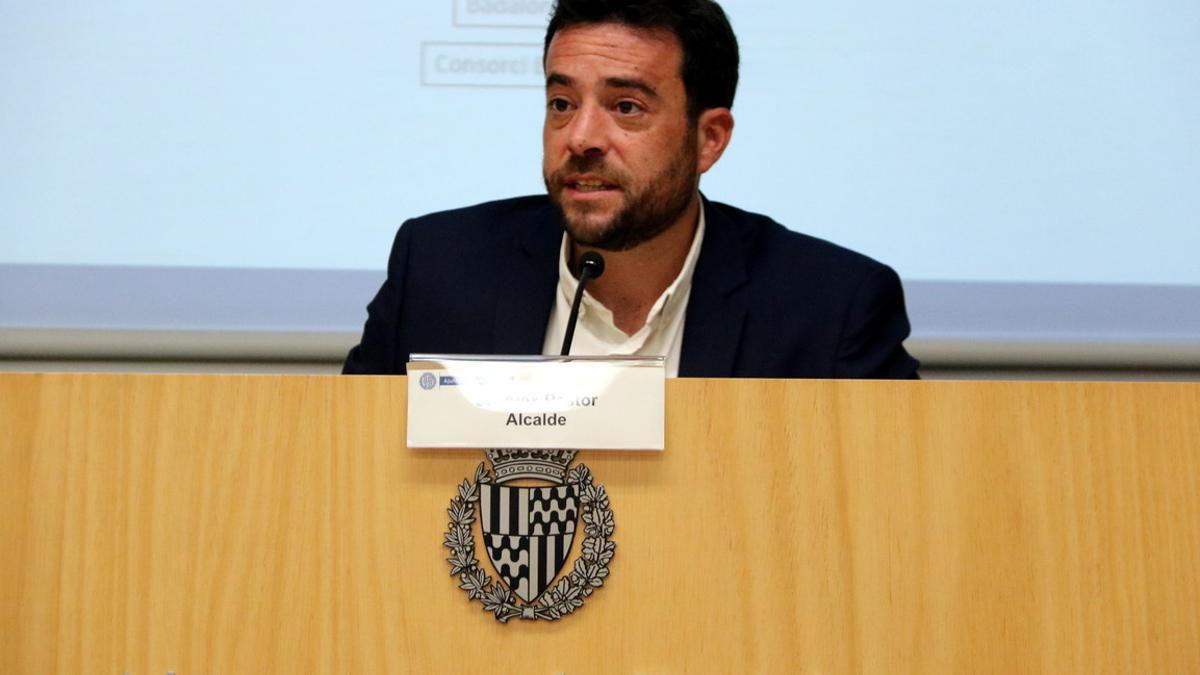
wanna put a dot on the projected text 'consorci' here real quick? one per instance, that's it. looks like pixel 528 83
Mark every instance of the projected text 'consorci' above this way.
pixel 481 65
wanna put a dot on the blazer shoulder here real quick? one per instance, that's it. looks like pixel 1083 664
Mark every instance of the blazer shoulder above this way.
pixel 841 313
pixel 771 248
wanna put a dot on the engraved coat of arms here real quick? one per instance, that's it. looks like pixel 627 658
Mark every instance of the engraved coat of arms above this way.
pixel 528 530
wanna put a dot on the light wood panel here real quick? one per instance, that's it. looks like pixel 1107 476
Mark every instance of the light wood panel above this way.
pixel 211 524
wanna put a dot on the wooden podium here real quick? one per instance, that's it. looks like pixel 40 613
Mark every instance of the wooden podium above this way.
pixel 261 524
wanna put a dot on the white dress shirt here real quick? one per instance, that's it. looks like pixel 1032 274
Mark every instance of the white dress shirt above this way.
pixel 597 335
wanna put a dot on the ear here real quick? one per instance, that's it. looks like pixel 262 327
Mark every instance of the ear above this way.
pixel 713 131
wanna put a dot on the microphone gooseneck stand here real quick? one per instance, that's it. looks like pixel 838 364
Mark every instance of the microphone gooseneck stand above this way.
pixel 591 266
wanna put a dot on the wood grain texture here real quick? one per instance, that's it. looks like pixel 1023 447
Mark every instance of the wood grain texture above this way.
pixel 233 524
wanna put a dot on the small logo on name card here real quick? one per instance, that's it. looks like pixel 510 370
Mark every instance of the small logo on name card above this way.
pixel 447 381
pixel 528 530
pixel 428 381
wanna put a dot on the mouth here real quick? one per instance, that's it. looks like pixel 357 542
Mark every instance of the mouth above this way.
pixel 584 185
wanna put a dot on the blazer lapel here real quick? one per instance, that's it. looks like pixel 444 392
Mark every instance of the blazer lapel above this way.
pixel 525 289
pixel 716 309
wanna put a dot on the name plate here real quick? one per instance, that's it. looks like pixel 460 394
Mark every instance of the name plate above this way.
pixel 582 403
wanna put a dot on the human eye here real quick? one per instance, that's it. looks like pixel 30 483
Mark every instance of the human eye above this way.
pixel 558 104
pixel 627 107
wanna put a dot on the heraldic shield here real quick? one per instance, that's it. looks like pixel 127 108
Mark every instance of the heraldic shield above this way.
pixel 528 532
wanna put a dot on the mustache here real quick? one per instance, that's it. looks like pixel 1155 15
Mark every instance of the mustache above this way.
pixel 593 164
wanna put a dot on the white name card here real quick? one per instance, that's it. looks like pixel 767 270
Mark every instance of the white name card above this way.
pixel 582 403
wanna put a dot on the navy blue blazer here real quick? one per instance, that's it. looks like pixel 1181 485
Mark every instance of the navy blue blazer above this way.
pixel 765 301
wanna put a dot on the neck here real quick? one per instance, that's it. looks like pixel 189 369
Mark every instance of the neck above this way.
pixel 634 279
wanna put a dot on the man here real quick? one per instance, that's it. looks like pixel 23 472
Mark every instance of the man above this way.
pixel 638 106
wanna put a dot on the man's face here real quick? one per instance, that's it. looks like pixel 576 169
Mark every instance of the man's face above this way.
pixel 619 155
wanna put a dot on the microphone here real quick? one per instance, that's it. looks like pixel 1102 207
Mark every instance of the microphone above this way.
pixel 591 266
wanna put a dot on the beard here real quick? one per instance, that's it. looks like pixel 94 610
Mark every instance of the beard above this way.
pixel 647 209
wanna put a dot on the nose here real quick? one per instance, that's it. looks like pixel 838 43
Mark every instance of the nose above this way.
pixel 588 132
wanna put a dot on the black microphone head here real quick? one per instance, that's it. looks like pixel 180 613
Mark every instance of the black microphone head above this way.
pixel 591 264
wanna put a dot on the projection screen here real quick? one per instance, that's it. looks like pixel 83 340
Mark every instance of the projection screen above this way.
pixel 223 179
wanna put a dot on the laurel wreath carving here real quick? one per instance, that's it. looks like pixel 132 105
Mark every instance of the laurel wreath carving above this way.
pixel 561 599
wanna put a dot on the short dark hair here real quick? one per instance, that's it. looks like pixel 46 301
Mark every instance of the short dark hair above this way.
pixel 710 49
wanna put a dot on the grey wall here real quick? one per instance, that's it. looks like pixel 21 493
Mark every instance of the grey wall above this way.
pixel 330 367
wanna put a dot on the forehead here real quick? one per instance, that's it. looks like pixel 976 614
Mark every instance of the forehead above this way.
pixel 615 50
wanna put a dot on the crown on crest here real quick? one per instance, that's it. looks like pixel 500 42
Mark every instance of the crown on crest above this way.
pixel 511 464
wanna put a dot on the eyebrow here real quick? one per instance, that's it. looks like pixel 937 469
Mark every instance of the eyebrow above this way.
pixel 626 83
pixel 614 82
pixel 560 79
